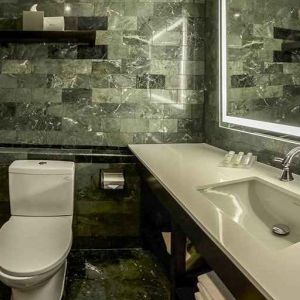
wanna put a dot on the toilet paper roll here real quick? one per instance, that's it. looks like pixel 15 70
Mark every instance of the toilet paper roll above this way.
pixel 112 180
pixel 54 24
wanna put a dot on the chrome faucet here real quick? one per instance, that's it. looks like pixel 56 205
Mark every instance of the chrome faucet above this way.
pixel 286 162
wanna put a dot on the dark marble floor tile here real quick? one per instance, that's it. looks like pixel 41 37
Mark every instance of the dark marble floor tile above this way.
pixel 115 274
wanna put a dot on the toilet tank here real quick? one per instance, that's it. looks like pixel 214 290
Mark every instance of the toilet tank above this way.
pixel 41 188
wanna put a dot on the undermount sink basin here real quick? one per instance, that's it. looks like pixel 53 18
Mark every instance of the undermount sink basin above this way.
pixel 257 206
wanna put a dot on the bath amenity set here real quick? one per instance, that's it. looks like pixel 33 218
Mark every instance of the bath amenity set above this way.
pixel 239 160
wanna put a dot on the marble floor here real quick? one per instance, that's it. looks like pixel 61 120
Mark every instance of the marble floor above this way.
pixel 115 274
pixel 111 275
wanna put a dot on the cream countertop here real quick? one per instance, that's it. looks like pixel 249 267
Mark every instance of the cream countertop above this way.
pixel 182 168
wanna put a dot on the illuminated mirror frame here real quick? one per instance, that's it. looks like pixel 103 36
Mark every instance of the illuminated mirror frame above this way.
pixel 229 121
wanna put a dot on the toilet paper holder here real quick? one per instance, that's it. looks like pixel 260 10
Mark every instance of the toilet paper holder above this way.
pixel 112 180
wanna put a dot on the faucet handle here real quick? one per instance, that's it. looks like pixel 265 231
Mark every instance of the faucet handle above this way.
pixel 278 160
pixel 287 175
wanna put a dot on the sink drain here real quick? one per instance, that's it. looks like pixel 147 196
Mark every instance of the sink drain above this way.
pixel 281 229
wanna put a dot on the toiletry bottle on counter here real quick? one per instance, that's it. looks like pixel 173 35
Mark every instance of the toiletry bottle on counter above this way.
pixel 228 157
pixel 238 159
pixel 247 159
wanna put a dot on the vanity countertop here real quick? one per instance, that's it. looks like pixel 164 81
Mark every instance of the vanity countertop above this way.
pixel 182 169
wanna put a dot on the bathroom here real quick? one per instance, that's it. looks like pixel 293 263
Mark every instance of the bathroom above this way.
pixel 150 112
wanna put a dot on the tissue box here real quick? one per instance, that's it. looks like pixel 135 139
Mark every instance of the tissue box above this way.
pixel 33 20
pixel 54 24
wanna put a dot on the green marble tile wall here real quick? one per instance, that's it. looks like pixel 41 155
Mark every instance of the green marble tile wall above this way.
pixel 265 147
pixel 141 83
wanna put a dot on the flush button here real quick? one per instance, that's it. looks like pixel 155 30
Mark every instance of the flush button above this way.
pixel 42 163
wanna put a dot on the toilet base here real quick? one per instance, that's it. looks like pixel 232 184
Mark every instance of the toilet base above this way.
pixel 52 289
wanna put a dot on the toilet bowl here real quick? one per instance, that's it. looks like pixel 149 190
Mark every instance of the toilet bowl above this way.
pixel 35 242
pixel 47 286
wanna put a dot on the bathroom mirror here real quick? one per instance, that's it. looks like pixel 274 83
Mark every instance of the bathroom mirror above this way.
pixel 260 66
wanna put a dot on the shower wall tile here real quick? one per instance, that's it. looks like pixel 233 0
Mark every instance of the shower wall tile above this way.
pixel 142 81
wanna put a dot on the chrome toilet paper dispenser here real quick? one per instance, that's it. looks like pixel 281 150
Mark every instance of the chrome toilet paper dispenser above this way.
pixel 112 180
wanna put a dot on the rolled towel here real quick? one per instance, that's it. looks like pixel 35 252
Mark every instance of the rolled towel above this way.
pixel 213 285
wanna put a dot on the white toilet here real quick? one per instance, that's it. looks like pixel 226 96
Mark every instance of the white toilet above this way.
pixel 36 240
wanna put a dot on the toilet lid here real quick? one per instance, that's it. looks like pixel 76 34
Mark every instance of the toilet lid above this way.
pixel 34 245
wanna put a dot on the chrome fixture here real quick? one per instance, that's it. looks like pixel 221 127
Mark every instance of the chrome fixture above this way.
pixel 281 229
pixel 286 163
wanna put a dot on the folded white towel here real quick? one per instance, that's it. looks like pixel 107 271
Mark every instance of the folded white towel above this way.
pixel 203 291
pixel 214 287
pixel 198 296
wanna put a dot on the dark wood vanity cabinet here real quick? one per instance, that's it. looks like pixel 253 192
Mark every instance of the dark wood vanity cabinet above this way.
pixel 162 212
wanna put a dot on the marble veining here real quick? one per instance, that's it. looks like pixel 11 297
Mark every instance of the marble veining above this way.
pixel 143 81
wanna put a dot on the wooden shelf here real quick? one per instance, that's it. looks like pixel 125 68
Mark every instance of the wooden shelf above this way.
pixel 76 36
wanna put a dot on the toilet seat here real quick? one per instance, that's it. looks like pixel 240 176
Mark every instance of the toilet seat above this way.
pixel 30 246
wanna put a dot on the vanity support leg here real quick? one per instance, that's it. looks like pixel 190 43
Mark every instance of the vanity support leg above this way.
pixel 178 256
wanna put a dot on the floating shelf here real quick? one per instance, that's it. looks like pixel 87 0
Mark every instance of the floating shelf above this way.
pixel 70 36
